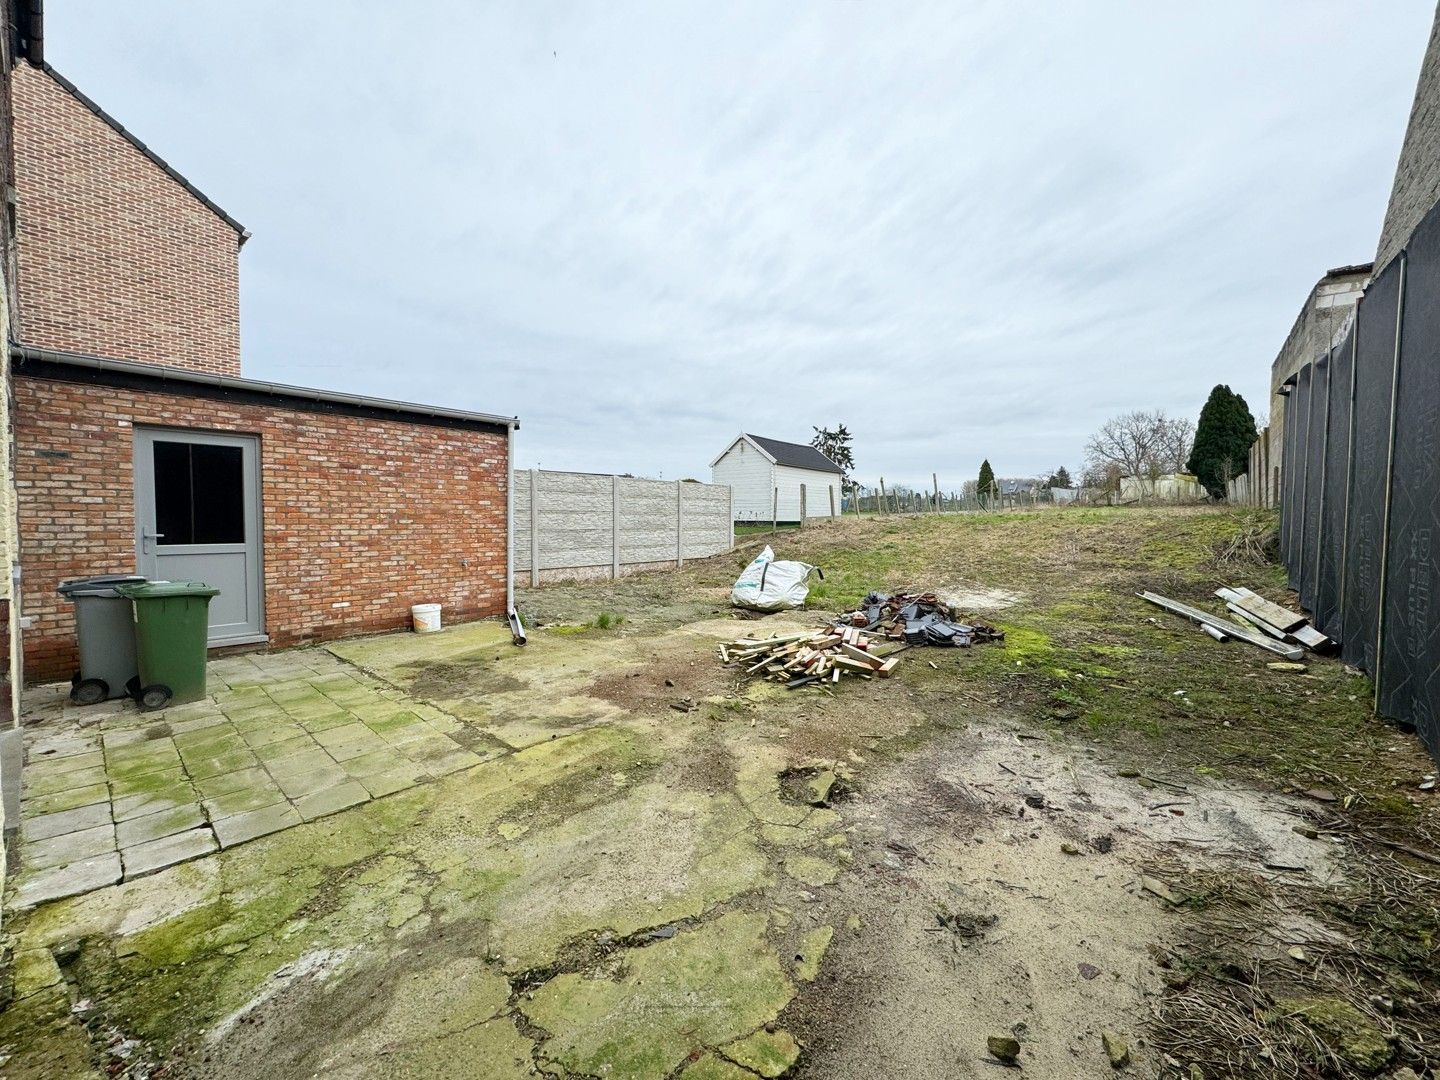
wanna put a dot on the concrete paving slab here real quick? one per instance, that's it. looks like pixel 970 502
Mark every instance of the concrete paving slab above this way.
pixel 65 800
pixel 221 765
pixel 143 758
pixel 60 744
pixel 219 739
pixel 253 797
pixel 68 847
pixel 367 744
pixel 331 800
pixel 284 748
pixel 298 785
pixel 387 783
pixel 37 887
pixel 37 780
pixel 67 821
pixel 158 854
pixel 241 827
pixel 143 830
pixel 371 764
pixel 343 733
pixel 269 732
pixel 307 760
pixel 199 723
pixel 72 762
pixel 122 786
pixel 214 786
pixel 152 802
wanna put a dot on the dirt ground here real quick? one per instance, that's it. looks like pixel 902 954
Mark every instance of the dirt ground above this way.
pixel 1108 835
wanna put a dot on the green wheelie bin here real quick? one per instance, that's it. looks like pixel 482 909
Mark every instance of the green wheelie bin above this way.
pixel 172 625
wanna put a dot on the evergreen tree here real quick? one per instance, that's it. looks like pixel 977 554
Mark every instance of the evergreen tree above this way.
pixel 985 488
pixel 1222 440
pixel 1060 478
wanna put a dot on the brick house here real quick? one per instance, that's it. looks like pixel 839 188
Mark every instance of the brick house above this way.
pixel 138 445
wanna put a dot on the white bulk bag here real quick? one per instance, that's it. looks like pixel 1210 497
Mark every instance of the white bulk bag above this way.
pixel 767 585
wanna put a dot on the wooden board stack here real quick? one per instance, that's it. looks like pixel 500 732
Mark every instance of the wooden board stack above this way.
pixel 1280 623
pixel 813 656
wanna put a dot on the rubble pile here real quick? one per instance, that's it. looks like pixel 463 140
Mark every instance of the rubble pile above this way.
pixel 864 643
pixel 917 619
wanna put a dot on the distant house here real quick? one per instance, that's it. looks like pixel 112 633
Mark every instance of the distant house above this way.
pixel 772 478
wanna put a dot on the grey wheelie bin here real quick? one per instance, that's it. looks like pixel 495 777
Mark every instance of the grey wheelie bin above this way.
pixel 105 633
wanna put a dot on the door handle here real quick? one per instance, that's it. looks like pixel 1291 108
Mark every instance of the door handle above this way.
pixel 146 538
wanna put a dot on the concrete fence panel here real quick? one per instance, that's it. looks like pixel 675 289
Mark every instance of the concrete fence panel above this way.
pixel 578 526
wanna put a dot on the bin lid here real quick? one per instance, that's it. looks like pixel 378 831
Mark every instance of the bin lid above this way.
pixel 103 585
pixel 154 590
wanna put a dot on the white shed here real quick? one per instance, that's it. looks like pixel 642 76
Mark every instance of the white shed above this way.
pixel 761 472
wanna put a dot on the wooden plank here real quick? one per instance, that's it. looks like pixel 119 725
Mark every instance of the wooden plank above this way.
pixel 1311 638
pixel 1234 630
pixel 861 655
pixel 1277 616
pixel 1255 622
pixel 887 667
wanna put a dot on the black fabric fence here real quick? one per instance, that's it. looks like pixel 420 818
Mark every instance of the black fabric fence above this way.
pixel 1360 492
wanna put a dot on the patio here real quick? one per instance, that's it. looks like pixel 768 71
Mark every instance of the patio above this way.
pixel 111 793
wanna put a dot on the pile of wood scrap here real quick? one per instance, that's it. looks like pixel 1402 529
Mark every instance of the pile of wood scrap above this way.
pixel 917 619
pixel 812 656
pixel 1254 620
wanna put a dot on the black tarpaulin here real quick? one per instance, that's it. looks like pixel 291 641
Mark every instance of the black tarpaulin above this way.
pixel 1314 479
pixel 1336 489
pixel 1299 458
pixel 1374 360
pixel 1409 678
pixel 1286 494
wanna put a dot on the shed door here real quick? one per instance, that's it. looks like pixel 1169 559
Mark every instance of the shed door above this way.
pixel 197 518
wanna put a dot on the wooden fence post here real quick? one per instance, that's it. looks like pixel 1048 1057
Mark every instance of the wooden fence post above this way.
pixel 615 527
pixel 880 506
pixel 775 510
pixel 802 506
pixel 935 483
pixel 831 489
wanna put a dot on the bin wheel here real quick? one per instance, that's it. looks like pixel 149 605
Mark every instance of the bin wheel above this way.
pixel 155 696
pixel 89 691
pixel 75 678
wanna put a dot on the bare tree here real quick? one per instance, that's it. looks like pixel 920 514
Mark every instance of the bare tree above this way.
pixel 1144 443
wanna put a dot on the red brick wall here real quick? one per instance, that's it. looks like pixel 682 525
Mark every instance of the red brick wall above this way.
pixel 377 513
pixel 116 258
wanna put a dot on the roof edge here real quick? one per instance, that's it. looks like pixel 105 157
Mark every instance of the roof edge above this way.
pixel 155 159
pixel 24 353
pixel 742 437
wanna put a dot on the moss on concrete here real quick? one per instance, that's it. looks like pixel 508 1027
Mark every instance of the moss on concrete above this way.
pixel 700 989
pixel 769 1053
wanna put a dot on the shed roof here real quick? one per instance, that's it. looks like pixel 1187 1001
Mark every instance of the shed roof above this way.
pixel 795 455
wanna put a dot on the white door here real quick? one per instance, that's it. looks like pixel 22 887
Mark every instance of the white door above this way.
pixel 197 518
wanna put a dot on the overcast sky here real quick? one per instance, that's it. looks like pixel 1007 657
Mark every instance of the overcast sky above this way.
pixel 964 230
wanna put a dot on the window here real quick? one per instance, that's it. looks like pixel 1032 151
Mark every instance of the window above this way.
pixel 199 493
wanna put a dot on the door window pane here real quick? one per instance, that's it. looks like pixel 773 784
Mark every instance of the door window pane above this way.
pixel 199 493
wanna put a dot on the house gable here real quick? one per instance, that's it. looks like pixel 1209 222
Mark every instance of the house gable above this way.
pixel 118 255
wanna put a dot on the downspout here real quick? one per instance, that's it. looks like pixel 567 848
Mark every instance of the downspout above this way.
pixel 517 630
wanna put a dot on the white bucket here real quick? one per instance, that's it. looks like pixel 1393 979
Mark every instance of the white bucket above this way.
pixel 425 618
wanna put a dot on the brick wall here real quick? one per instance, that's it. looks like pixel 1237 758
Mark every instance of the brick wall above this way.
pixel 116 257
pixel 376 514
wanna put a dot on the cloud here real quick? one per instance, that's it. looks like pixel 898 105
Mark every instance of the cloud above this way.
pixel 643 228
